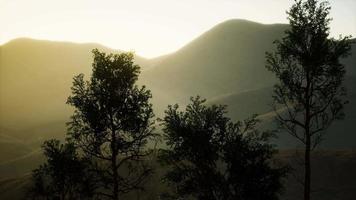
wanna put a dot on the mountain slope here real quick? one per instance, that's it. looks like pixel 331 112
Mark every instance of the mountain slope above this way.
pixel 229 58
pixel 244 104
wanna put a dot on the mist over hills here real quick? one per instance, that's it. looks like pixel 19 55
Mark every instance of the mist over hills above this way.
pixel 224 65
pixel 220 61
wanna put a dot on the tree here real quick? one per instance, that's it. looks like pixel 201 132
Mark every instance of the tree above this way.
pixel 64 176
pixel 211 158
pixel 112 123
pixel 310 94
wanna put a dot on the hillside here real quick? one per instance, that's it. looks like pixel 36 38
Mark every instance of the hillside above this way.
pixel 243 104
pixel 223 60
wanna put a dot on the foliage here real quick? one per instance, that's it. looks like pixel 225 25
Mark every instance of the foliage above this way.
pixel 211 157
pixel 64 176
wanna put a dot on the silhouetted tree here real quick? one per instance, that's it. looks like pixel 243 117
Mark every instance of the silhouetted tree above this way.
pixel 63 176
pixel 112 122
pixel 309 95
pixel 212 158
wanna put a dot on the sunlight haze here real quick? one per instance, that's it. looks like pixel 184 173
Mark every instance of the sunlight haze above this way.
pixel 150 28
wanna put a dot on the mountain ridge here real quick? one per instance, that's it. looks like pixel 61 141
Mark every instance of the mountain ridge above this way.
pixel 224 46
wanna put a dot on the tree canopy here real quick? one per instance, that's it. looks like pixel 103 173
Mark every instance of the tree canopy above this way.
pixel 64 175
pixel 211 157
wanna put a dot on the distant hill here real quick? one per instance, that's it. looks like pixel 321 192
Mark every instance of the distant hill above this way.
pixel 229 58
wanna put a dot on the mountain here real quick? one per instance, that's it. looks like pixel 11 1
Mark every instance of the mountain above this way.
pixel 229 58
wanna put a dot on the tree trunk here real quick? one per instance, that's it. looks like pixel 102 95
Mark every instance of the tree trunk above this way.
pixel 307 172
pixel 114 153
pixel 115 180
pixel 116 189
pixel 114 167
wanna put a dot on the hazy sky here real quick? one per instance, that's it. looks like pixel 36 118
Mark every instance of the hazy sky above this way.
pixel 149 27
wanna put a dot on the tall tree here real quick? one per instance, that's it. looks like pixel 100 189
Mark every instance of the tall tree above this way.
pixel 112 122
pixel 211 158
pixel 310 94
pixel 64 175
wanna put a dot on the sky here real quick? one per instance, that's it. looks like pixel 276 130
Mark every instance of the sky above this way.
pixel 148 27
